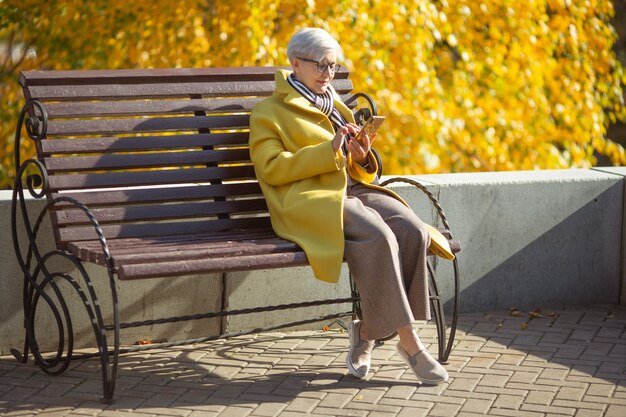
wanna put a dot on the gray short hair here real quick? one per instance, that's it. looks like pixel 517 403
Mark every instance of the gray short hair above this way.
pixel 312 43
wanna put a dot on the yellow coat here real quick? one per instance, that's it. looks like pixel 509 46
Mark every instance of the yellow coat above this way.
pixel 302 178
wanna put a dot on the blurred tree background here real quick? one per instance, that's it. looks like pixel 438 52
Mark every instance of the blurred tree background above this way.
pixel 467 85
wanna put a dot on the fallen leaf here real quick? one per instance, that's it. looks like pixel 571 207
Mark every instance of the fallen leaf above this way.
pixel 515 312
pixel 524 326
pixel 325 328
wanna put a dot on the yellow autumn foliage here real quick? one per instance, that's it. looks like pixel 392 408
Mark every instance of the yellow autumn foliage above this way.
pixel 467 85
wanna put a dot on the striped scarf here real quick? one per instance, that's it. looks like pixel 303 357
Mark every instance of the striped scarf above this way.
pixel 324 102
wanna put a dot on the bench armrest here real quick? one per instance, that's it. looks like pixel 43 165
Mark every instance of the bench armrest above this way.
pixel 364 113
pixel 433 201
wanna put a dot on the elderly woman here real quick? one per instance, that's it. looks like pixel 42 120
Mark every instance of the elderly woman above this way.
pixel 317 179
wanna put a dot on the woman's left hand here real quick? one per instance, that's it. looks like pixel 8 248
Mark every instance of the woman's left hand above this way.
pixel 361 147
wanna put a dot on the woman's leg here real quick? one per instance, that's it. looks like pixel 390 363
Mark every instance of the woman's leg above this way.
pixel 371 251
pixel 412 241
pixel 373 256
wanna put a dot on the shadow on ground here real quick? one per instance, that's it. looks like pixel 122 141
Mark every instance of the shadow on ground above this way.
pixel 547 354
pixel 292 369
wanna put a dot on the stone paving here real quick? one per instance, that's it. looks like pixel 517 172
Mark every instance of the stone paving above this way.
pixel 567 362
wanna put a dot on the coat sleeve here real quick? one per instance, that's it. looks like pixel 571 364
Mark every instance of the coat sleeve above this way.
pixel 276 165
pixel 361 174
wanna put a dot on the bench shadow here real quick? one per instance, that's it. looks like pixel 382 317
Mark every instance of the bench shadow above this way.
pixel 241 371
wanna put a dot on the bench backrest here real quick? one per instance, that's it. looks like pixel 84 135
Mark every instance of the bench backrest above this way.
pixel 152 152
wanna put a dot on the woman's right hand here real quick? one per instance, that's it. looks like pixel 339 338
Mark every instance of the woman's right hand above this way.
pixel 349 129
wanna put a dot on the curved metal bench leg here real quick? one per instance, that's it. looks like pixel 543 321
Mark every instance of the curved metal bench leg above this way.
pixel 437 313
pixel 36 285
pixel 40 282
pixel 455 311
pixel 444 346
pixel 356 304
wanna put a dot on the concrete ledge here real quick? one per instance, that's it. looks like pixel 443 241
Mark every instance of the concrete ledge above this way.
pixel 530 239
pixel 535 238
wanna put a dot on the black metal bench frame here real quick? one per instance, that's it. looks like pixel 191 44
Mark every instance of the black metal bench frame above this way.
pixel 39 281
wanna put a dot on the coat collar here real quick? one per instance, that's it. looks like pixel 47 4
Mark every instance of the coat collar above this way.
pixel 294 98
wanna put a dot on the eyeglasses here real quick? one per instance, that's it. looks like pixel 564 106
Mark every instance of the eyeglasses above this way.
pixel 332 67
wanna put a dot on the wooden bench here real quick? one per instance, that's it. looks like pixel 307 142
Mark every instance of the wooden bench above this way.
pixel 147 173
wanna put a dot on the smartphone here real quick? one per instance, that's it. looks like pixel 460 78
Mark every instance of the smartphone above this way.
pixel 370 127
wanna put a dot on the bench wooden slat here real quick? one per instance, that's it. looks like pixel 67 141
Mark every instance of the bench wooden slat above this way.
pixel 159 243
pixel 156 177
pixel 75 234
pixel 149 90
pixel 146 124
pixel 164 90
pixel 162 194
pixel 213 238
pixel 211 265
pixel 73 109
pixel 204 250
pixel 142 252
pixel 159 212
pixel 147 107
pixel 145 160
pixel 153 75
pixel 138 143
